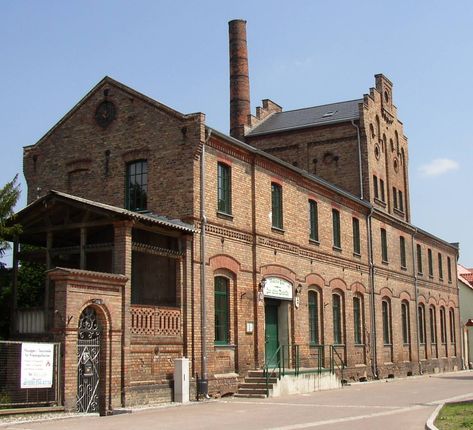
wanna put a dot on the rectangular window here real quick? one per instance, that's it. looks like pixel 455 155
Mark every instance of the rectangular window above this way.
pixel 440 266
pixel 386 323
pixel 419 259
pixel 357 319
pixel 276 203
pixel 402 248
pixel 314 220
pixel 431 264
pixel 375 186
pixel 137 185
pixel 381 187
pixel 395 197
pixel 384 246
pixel 405 323
pixel 449 269
pixel 401 201
pixel 221 310
pixel 336 228
pixel 224 189
pixel 356 236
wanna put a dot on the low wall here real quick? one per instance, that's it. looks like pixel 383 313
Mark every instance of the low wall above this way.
pixel 305 383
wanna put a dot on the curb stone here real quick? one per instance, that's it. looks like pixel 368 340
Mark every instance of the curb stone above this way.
pixel 429 425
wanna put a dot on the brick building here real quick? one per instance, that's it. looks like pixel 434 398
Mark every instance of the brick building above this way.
pixel 293 231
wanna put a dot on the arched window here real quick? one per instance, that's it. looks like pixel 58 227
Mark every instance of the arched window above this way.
pixel 421 315
pixel 386 310
pixel 222 317
pixel 443 326
pixel 406 334
pixel 314 317
pixel 433 325
pixel 358 320
pixel 452 325
pixel 337 305
pixel 136 198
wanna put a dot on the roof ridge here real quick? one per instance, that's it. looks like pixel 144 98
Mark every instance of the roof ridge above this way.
pixel 318 106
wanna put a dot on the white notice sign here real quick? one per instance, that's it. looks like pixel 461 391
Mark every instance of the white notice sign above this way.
pixel 37 361
pixel 278 288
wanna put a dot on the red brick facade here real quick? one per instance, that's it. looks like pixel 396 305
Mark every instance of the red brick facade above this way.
pixel 82 157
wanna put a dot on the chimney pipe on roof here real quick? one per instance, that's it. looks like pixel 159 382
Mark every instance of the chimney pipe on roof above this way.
pixel 239 79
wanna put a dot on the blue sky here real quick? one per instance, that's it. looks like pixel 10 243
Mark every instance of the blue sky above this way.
pixel 302 53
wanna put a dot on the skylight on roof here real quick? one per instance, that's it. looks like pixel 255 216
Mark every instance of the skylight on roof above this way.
pixel 329 114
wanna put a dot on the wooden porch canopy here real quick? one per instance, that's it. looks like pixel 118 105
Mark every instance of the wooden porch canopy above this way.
pixel 66 230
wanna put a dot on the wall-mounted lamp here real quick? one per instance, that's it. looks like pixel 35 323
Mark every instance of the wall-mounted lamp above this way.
pixel 97 301
pixel 297 298
pixel 261 289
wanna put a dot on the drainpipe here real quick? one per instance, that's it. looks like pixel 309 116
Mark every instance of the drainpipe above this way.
pixel 203 387
pixel 359 158
pixel 374 362
pixel 416 293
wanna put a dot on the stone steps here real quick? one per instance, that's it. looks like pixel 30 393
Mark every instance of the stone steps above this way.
pixel 255 385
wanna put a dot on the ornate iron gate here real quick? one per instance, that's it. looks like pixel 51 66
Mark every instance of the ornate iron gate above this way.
pixel 88 362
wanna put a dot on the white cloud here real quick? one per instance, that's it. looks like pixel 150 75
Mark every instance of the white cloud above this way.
pixel 437 167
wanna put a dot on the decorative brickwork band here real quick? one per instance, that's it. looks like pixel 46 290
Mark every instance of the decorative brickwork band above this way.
pixel 153 321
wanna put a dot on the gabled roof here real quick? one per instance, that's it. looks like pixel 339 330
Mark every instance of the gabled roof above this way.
pixel 465 275
pixel 309 117
pixel 110 81
pixel 146 217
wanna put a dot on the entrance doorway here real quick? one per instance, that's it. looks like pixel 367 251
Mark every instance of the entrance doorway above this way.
pixel 271 332
pixel 88 361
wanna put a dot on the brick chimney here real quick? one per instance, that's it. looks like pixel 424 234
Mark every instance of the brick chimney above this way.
pixel 239 79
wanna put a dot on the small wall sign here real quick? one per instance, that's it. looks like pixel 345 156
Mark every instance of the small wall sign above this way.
pixel 249 327
pixel 277 288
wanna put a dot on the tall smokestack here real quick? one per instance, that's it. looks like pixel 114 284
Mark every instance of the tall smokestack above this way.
pixel 239 78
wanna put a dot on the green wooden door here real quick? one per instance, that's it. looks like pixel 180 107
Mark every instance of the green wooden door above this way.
pixel 271 332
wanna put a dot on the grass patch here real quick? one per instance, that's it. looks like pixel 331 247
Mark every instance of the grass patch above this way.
pixel 456 416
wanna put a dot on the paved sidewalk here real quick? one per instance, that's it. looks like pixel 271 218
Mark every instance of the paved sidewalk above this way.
pixel 394 404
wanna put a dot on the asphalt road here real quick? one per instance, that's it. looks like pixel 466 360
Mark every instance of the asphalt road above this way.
pixel 397 404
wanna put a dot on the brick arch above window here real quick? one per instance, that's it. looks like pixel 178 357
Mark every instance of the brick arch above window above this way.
pixel 277 270
pixel 357 287
pixel 442 302
pixel 338 283
pixel 421 299
pixel 432 301
pixel 386 292
pixel 141 153
pixel 452 304
pixel 405 296
pixel 314 279
pixel 223 261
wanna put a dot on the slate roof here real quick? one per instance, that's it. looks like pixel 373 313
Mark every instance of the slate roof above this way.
pixel 309 117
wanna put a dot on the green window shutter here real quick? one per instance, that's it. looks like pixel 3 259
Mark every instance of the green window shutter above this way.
pixel 313 318
pixel 221 310
pixel 276 203
pixel 314 220
pixel 224 189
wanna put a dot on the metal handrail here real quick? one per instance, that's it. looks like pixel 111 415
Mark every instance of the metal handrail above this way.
pixel 341 366
pixel 266 371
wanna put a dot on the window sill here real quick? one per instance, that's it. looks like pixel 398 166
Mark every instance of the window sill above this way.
pixel 277 230
pixel 224 346
pixel 420 274
pixel 431 276
pixel 224 215
pixel 404 268
pixel 380 202
pixel 399 212
pixel 357 255
pixel 385 262
pixel 314 242
pixel 337 248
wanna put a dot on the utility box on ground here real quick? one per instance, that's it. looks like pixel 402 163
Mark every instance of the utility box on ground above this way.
pixel 181 380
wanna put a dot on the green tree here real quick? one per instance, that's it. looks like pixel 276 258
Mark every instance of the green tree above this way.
pixel 9 195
